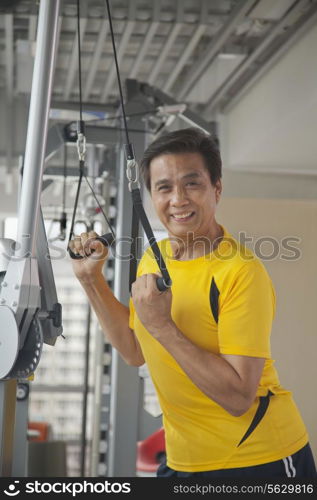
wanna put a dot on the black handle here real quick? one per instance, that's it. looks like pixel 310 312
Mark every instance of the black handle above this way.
pixel 106 239
pixel 163 285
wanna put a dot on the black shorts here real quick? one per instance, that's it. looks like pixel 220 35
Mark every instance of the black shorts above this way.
pixel 300 464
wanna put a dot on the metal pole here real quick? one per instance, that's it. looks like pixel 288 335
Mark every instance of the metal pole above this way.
pixel 46 45
pixel 31 190
pixel 85 394
pixel 125 380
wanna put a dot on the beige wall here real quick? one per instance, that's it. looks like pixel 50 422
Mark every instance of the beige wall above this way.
pixel 294 336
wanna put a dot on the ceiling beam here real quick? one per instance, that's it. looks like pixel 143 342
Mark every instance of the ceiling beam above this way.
pixel 96 58
pixel 308 21
pixel 142 52
pixel 194 40
pixel 87 106
pixel 146 42
pixel 185 56
pixel 73 63
pixel 276 30
pixel 168 44
pixel 216 44
pixel 127 31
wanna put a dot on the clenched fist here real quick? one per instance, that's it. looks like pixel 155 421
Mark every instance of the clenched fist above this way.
pixel 152 306
pixel 94 254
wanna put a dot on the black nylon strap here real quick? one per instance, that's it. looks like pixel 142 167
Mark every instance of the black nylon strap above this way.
pixel 81 174
pixel 260 412
pixel 134 248
pixel 138 205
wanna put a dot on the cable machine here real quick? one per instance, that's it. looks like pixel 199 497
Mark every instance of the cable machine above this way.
pixel 29 311
pixel 29 308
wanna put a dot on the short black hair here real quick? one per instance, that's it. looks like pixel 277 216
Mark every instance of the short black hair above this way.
pixel 188 140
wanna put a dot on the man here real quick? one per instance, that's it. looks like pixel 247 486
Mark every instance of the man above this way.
pixel 205 341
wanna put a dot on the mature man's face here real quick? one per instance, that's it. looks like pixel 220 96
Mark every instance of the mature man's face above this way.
pixel 182 194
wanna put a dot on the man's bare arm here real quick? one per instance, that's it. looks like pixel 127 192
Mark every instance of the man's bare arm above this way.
pixel 114 320
pixel 229 380
pixel 112 315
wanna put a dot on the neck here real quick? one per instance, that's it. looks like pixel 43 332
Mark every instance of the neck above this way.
pixel 192 246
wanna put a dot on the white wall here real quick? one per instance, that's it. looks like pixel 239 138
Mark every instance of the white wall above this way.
pixel 274 125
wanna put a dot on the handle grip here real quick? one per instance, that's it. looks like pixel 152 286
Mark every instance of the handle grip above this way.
pixel 106 239
pixel 163 285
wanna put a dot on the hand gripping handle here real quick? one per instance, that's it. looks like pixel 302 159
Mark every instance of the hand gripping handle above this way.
pixel 106 239
pixel 163 285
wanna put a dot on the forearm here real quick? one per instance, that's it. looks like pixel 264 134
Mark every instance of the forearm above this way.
pixel 212 374
pixel 114 320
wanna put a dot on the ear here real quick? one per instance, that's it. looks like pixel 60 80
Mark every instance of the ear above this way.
pixel 218 190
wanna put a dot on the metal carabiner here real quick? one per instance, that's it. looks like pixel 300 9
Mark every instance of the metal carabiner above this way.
pixel 81 146
pixel 133 175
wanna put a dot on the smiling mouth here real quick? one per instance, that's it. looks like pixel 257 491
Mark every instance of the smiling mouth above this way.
pixel 182 217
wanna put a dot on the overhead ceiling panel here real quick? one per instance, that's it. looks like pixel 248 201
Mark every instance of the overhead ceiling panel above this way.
pixel 181 46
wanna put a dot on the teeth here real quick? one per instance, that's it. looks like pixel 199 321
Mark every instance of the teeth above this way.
pixel 182 216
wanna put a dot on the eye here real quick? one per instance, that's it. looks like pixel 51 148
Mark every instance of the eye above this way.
pixel 164 187
pixel 192 183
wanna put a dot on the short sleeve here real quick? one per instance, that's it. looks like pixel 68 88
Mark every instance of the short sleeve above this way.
pixel 246 313
pixel 132 313
pixel 131 305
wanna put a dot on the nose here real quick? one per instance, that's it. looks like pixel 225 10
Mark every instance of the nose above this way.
pixel 179 198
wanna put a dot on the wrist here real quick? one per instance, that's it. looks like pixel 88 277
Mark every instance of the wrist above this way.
pixel 164 331
pixel 92 280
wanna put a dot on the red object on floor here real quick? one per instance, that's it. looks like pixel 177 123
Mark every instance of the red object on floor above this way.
pixel 38 431
pixel 150 450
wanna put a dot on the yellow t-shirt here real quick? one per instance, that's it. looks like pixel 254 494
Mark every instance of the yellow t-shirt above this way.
pixel 200 435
